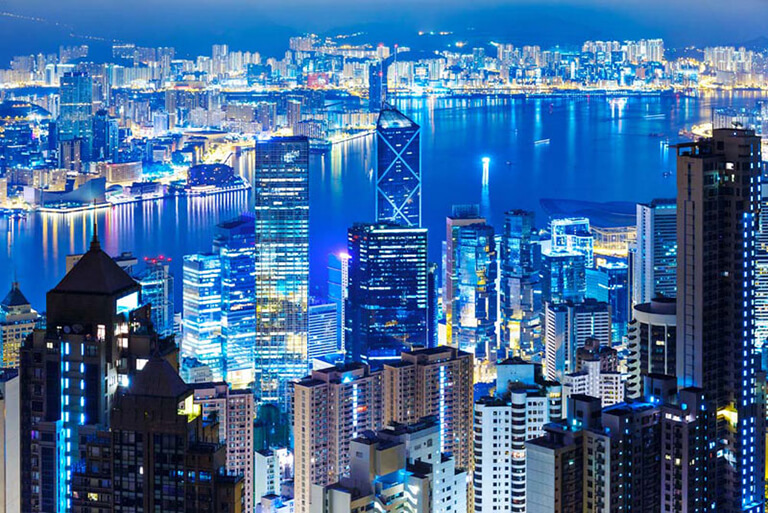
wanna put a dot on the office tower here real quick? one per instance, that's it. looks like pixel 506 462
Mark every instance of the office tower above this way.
pixel 567 326
pixel 433 305
pixel 651 342
pixel 502 425
pixel 718 200
pixel 592 380
pixel 330 408
pixel 106 135
pixel 74 120
pixel 387 307
pixel 655 260
pixel 157 289
pixel 17 320
pixel 322 330
pixel 422 452
pixel 572 234
pixel 338 290
pixel 157 429
pixel 469 293
pixel 398 170
pixel 234 243
pixel 293 113
pixel 434 381
pixel 96 339
pixel 377 481
pixel 10 441
pixel 233 410
pixel 609 282
pixel 563 276
pixel 281 191
pixel 201 312
pixel 377 86
pixel 520 259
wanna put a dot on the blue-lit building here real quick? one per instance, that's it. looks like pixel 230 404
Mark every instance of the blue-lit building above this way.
pixel 519 297
pixel 234 243
pixel 281 197
pixel 156 283
pixel 201 312
pixel 718 204
pixel 573 234
pixel 387 306
pixel 338 283
pixel 106 136
pixel 654 256
pixel 609 282
pixel 398 170
pixel 75 117
pixel 377 85
pixel 470 299
pixel 563 276
pixel 322 330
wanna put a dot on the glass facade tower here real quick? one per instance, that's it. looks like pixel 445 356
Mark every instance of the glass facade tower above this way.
pixel 281 193
pixel 201 312
pixel 76 105
pixel 398 172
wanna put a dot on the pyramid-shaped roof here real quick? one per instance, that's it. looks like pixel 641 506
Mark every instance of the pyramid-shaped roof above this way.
pixel 96 273
pixel 14 297
pixel 158 378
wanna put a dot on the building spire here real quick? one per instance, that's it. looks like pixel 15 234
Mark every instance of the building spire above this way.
pixel 95 245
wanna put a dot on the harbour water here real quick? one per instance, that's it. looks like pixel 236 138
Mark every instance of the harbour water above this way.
pixel 600 149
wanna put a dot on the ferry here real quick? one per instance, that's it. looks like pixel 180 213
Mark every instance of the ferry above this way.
pixel 541 142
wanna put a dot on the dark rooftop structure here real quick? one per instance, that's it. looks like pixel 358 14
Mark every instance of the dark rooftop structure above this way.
pixel 14 297
pixel 96 273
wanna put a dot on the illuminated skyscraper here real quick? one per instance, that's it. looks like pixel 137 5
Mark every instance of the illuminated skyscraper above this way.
pixel 520 260
pixel 718 202
pixel 157 289
pixel 17 320
pixel 377 81
pixel 201 312
pixel 654 263
pixel 322 329
pixel 338 287
pixel 76 108
pixel 235 245
pixel 281 193
pixel 563 276
pixel 388 304
pixel 572 234
pixel 398 171
pixel 470 284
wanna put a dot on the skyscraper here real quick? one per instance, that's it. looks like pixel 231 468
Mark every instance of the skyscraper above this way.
pixel 281 192
pixel 235 245
pixel 563 276
pixel 338 289
pixel 377 81
pixel 17 320
pixel 718 201
pixel 652 343
pixel 469 294
pixel 654 262
pixel 322 330
pixel 76 108
pixel 97 338
pixel 398 171
pixel 520 260
pixel 201 312
pixel 387 308
pixel 157 289
pixel 573 234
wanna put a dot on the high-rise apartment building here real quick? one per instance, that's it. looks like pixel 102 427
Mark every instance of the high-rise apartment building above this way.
pixel 17 320
pixel 651 343
pixel 592 380
pixel 567 326
pixel 233 410
pixel 398 170
pixel 201 312
pixel 330 408
pixel 519 263
pixel 502 425
pixel 718 203
pixel 387 307
pixel 434 381
pixel 10 441
pixel 234 243
pixel 469 291
pixel 97 338
pixel 281 192
pixel 654 263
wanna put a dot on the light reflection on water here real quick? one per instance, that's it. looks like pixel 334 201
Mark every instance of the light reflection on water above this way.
pixel 598 150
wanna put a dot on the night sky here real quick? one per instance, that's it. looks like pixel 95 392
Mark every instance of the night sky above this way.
pixel 193 25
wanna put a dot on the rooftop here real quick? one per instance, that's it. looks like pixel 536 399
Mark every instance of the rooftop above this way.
pixel 390 117
pixel 95 273
pixel 14 297
pixel 158 378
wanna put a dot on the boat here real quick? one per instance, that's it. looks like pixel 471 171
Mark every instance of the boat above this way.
pixel 541 142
